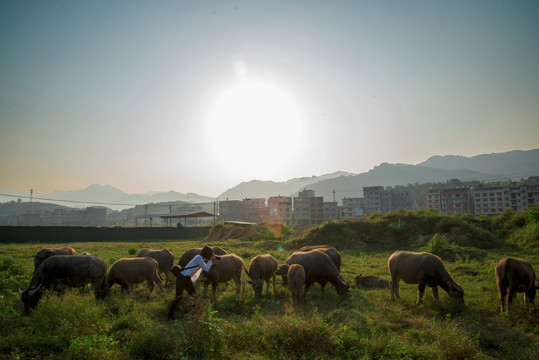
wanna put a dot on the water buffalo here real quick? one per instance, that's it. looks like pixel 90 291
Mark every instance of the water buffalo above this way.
pixel 424 269
pixel 371 281
pixel 262 269
pixel 66 270
pixel 191 253
pixel 518 276
pixel 296 278
pixel 164 258
pixel 319 268
pixel 229 267
pixel 46 253
pixel 134 271
pixel 329 250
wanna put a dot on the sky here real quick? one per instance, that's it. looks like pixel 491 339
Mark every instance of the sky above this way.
pixel 199 96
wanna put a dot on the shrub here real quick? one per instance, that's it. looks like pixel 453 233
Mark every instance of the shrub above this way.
pixel 93 347
pixel 132 251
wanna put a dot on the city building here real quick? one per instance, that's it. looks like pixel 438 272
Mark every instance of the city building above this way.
pixel 308 209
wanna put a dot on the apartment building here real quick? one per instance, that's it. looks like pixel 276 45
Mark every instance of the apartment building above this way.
pixel 372 196
pixel 484 200
pixel 377 199
pixel 352 208
pixel 455 201
pixel 308 209
pixel 280 209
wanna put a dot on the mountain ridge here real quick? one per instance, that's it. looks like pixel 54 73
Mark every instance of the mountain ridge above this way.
pixel 511 165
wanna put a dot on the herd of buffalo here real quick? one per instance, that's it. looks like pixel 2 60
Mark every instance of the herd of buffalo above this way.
pixel 55 268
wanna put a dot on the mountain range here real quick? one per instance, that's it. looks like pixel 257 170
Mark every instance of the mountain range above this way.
pixel 512 165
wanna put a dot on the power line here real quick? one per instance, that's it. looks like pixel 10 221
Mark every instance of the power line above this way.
pixel 69 201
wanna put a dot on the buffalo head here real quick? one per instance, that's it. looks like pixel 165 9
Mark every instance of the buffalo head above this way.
pixel 30 297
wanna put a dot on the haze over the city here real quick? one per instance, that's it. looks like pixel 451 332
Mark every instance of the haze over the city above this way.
pixel 200 96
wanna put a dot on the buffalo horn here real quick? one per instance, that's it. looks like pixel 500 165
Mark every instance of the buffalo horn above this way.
pixel 33 291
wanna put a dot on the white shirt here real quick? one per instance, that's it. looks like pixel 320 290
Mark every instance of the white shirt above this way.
pixel 197 260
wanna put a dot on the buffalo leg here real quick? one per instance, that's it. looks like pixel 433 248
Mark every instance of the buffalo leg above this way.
pixel 394 289
pixel 510 297
pixel 150 285
pixel 420 292
pixel 435 292
pixel 307 286
pixel 503 295
pixel 157 280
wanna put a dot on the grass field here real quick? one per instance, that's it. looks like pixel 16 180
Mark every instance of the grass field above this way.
pixel 367 325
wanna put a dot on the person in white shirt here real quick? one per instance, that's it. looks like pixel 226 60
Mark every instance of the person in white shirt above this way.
pixel 189 274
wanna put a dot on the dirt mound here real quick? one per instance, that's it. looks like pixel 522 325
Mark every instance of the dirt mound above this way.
pixel 226 232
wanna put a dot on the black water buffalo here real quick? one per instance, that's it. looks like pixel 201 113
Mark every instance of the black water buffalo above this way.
pixel 517 275
pixel 319 268
pixel 133 271
pixel 164 258
pixel 424 269
pixel 329 250
pixel 296 278
pixel 191 253
pixel 46 253
pixel 262 269
pixel 229 267
pixel 56 272
pixel 371 282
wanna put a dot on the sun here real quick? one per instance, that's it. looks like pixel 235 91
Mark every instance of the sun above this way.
pixel 258 122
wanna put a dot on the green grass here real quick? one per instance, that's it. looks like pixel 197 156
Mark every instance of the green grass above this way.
pixel 367 325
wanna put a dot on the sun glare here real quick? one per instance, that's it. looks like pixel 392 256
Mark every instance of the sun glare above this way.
pixel 258 122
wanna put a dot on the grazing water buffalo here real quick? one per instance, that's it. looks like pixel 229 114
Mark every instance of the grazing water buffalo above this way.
pixel 46 253
pixel 191 253
pixel 424 269
pixel 371 281
pixel 262 269
pixel 296 278
pixel 164 258
pixel 319 268
pixel 134 271
pixel 229 267
pixel 329 250
pixel 66 270
pixel 518 276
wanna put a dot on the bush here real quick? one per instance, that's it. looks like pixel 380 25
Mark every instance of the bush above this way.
pixel 132 251
pixel 93 347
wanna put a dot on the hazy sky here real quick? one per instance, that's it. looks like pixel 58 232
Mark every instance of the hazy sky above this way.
pixel 198 96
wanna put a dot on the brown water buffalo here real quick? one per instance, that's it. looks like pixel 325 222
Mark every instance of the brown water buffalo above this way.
pixel 371 282
pixel 191 253
pixel 261 269
pixel 56 272
pixel 133 271
pixel 329 250
pixel 319 268
pixel 424 269
pixel 517 275
pixel 46 253
pixel 296 278
pixel 164 258
pixel 229 267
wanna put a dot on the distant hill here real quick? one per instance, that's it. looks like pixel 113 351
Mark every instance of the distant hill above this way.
pixel 389 175
pixel 108 196
pixel 512 165
pixel 265 189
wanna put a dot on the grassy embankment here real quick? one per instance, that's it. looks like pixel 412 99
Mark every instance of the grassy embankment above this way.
pixel 368 325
